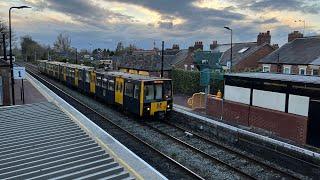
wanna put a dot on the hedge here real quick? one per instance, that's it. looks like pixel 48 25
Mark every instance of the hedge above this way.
pixel 188 82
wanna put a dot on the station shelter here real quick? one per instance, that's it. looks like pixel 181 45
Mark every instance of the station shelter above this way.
pixel 285 105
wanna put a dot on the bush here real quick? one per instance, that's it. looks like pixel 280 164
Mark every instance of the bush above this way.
pixel 186 82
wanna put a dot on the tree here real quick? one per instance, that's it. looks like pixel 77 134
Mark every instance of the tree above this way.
pixel 119 49
pixel 3 29
pixel 62 43
pixel 32 50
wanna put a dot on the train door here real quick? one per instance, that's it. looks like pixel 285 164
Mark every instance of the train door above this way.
pixel 76 77
pixel 65 74
pixel 92 82
pixel 314 123
pixel 119 90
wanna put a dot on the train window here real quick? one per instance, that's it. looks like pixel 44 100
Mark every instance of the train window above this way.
pixel 111 85
pixel 120 87
pixel 128 89
pixel 149 92
pixel 158 91
pixel 80 75
pixel 98 81
pixel 167 89
pixel 87 76
pixel 104 83
pixel 136 91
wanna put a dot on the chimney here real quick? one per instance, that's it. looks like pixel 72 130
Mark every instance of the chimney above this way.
pixel 294 35
pixel 213 45
pixel 175 47
pixel 198 45
pixel 264 38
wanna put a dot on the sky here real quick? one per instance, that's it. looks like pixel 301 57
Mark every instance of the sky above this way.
pixel 103 23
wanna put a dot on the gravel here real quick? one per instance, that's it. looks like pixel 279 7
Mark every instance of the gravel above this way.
pixel 187 157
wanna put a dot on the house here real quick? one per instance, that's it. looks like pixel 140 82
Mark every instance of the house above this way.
pixel 301 55
pixel 145 65
pixel 245 55
pixel 207 60
pixel 4 83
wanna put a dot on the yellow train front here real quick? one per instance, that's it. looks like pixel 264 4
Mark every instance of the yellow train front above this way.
pixel 141 95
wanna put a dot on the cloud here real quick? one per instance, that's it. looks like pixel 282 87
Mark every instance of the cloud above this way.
pixel 175 21
pixel 195 17
pixel 83 11
pixel 266 21
pixel 305 6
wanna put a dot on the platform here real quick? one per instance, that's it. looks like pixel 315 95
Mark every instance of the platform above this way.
pixel 31 94
pixel 237 130
pixel 52 139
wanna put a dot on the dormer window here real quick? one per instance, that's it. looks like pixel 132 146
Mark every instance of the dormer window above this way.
pixel 243 50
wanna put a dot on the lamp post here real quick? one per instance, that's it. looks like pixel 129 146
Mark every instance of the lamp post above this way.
pixel 10 50
pixel 230 45
pixel 162 57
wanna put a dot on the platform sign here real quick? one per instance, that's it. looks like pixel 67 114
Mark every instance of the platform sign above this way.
pixel 19 72
pixel 205 77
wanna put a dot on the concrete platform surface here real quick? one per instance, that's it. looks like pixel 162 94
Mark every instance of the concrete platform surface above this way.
pixel 31 94
pixel 126 158
pixel 202 117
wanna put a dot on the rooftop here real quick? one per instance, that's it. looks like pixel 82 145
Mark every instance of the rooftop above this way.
pixel 41 141
pixel 279 77
pixel 300 51
pixel 130 76
pixel 239 51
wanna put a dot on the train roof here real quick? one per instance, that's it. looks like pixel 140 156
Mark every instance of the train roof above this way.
pixel 131 76
pixel 279 77
pixel 70 65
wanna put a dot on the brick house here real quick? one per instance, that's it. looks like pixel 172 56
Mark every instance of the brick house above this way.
pixel 246 55
pixel 301 55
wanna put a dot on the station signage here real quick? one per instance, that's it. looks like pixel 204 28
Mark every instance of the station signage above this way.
pixel 19 72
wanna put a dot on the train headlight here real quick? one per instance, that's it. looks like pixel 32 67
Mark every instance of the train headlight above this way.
pixel 148 109
pixel 168 106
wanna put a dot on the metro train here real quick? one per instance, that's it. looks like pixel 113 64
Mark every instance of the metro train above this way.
pixel 142 95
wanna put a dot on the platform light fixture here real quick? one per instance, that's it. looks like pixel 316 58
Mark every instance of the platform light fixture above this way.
pixel 10 51
pixel 228 28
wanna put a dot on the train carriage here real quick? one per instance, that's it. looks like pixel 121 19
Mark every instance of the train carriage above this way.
pixel 142 95
pixel 86 80
pixel 138 94
pixel 42 65
pixel 63 73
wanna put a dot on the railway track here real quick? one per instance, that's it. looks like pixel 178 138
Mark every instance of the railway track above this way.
pixel 143 149
pixel 232 159
pixel 238 164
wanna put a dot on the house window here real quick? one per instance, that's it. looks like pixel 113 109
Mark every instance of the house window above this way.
pixel 266 68
pixel 192 67
pixel 315 72
pixel 186 67
pixel 302 70
pixel 286 70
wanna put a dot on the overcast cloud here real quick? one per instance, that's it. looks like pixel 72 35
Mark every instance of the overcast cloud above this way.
pixel 103 23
